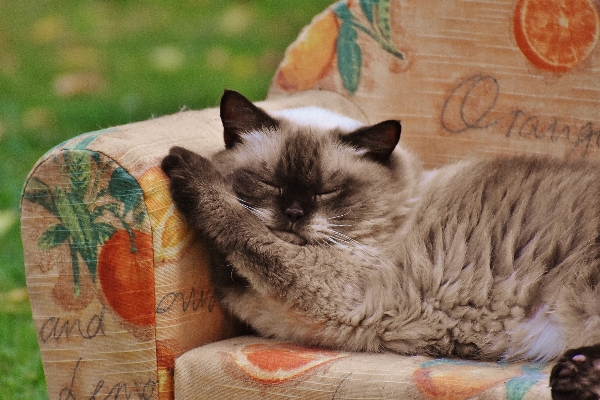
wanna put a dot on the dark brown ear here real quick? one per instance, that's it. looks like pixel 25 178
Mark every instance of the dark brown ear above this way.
pixel 239 115
pixel 378 141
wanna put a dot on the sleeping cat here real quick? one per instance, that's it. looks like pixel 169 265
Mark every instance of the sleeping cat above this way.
pixel 328 233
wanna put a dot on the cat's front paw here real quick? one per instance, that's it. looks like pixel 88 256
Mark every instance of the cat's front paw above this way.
pixel 191 177
pixel 577 375
pixel 184 163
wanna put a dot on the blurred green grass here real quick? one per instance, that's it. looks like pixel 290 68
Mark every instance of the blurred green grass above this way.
pixel 69 67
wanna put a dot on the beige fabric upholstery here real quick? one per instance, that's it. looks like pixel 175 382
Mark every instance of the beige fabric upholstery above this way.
pixel 118 285
pixel 254 368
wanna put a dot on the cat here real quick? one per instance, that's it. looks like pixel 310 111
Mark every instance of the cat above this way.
pixel 327 232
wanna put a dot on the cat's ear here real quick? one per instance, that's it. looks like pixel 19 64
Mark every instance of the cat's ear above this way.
pixel 377 141
pixel 239 115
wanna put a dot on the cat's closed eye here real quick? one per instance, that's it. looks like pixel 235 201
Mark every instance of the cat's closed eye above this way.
pixel 327 194
pixel 272 187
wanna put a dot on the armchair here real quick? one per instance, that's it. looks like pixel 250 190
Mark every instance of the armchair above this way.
pixel 119 286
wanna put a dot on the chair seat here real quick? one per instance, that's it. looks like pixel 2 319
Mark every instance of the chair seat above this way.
pixel 249 367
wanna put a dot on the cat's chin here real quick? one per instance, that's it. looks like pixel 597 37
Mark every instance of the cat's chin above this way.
pixel 290 237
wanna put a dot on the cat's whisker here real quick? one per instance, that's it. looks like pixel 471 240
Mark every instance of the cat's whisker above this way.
pixel 347 238
pixel 339 216
pixel 249 207
pixel 350 242
pixel 361 252
pixel 347 244
pixel 260 213
pixel 324 242
pixel 252 210
pixel 244 202
pixel 339 246
pixel 332 246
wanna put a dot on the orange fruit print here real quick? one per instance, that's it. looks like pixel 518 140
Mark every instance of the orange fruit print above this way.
pixel 280 362
pixel 460 382
pixel 171 232
pixel 311 57
pixel 126 274
pixel 556 35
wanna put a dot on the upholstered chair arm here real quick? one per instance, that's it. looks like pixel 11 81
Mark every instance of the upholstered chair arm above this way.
pixel 119 285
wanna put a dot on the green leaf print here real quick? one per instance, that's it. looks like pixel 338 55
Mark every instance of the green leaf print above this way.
pixel 76 271
pixel 84 207
pixel 518 387
pixel 76 222
pixel 112 208
pixel 367 8
pixel 343 12
pixel 103 231
pixel 383 20
pixel 53 236
pixel 377 14
pixel 125 188
pixel 82 141
pixel 39 193
pixel 89 255
pixel 80 170
pixel 349 57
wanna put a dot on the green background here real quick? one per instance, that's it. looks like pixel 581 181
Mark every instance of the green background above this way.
pixel 69 67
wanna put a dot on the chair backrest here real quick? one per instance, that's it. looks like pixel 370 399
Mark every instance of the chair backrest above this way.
pixel 465 77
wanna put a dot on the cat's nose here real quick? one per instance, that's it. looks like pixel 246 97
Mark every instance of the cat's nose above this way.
pixel 294 212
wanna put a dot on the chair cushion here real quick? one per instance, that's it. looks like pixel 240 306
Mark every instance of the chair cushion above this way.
pixel 249 367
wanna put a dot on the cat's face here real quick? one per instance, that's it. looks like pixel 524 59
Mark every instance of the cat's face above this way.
pixel 311 184
pixel 298 184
